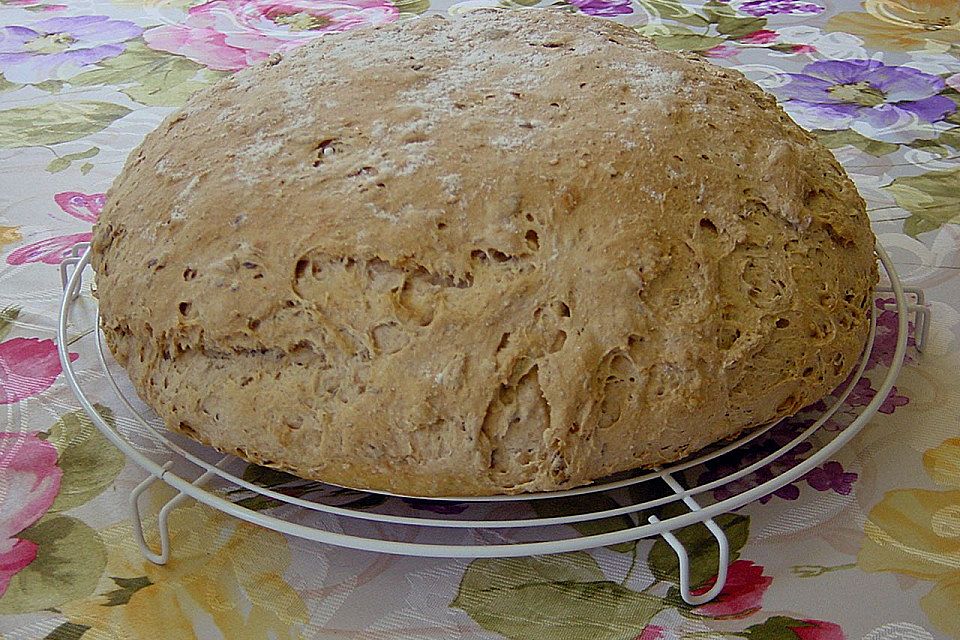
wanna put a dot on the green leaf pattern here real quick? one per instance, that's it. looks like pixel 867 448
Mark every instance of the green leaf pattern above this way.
pixel 7 317
pixel 568 596
pixel 88 461
pixel 702 549
pixel 849 137
pixel 126 587
pixel 676 26
pixel 55 122
pixel 70 555
pixel 592 503
pixel 931 198
pixel 552 597
pixel 150 77
pixel 62 163
pixel 70 559
pixel 67 631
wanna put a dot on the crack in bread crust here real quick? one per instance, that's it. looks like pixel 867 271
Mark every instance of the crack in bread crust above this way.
pixel 541 252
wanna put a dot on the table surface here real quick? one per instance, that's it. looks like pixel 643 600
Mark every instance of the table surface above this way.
pixel 867 545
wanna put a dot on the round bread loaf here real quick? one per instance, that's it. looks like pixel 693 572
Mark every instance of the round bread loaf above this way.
pixel 516 251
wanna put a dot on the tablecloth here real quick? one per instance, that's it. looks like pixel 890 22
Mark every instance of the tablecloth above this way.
pixel 866 545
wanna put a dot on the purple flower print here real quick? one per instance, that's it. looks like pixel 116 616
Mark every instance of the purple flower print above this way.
pixel 760 8
pixel 58 48
pixel 736 487
pixel 831 477
pixel 607 8
pixel 864 392
pixel 842 419
pixel 436 506
pixel 885 342
pixel 776 438
pixel 893 402
pixel 786 492
pixel 879 101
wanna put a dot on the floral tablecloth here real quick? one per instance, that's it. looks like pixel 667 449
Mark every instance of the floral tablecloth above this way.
pixel 867 545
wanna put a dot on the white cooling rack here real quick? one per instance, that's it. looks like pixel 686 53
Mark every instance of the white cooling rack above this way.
pixel 622 509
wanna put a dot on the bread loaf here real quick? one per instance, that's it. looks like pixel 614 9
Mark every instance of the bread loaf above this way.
pixel 510 252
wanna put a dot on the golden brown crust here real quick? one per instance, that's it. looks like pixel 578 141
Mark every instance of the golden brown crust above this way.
pixel 512 252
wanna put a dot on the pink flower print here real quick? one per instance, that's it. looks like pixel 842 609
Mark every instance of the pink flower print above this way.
pixel 650 632
pixel 831 476
pixel 229 35
pixel 27 367
pixel 54 250
pixel 803 48
pixel 15 555
pixel 784 628
pixel 817 630
pixel 30 479
pixel 741 595
pixel 763 36
pixel 35 5
pixel 721 51
pixel 80 205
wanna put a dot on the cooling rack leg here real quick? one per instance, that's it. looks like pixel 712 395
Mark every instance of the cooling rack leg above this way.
pixel 71 261
pixel 684 560
pixel 173 503
pixel 922 325
pixel 921 314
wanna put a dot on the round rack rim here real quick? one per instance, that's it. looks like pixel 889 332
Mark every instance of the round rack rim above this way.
pixel 697 514
pixel 524 523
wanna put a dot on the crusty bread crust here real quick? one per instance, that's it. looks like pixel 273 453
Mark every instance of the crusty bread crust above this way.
pixel 517 251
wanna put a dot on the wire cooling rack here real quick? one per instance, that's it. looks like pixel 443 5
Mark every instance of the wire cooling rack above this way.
pixel 621 509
